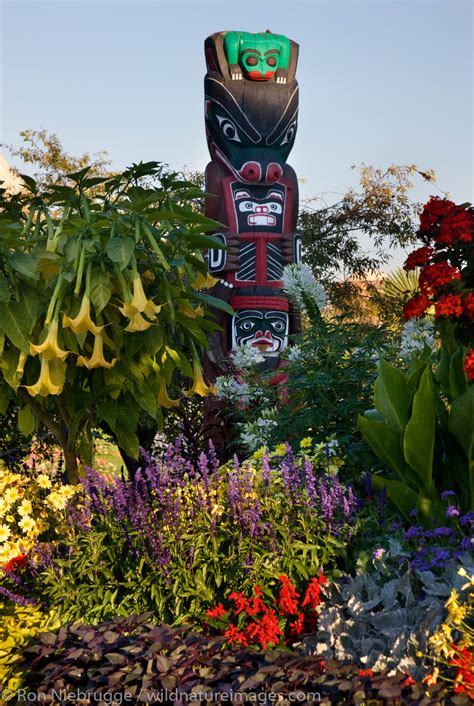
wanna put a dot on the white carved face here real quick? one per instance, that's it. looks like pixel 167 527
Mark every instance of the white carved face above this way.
pixel 262 212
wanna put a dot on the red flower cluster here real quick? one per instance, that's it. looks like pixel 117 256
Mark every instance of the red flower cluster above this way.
pixel 469 364
pixel 418 258
pixel 312 597
pixel 448 233
pixel 416 306
pixel 436 275
pixel 17 563
pixel 458 226
pixel 464 663
pixel 259 624
pixel 287 600
pixel 468 303
pixel 217 612
pixel 434 211
pixel 449 305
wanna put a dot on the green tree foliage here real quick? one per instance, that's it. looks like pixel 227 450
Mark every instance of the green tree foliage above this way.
pixel 380 209
pixel 45 152
pixel 101 303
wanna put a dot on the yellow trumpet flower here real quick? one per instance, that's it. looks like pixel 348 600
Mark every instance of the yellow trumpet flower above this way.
pixel 137 323
pixel 199 386
pixel 140 304
pixel 97 359
pixel 186 309
pixel 51 379
pixel 163 399
pixel 50 349
pixel 82 322
pixel 204 282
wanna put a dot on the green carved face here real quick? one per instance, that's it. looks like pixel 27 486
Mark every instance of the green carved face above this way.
pixel 259 55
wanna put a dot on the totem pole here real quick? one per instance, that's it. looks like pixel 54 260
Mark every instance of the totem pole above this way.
pixel 251 110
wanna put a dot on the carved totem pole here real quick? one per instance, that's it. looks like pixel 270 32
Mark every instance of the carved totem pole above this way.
pixel 251 110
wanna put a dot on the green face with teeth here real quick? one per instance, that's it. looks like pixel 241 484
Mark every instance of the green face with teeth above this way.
pixel 258 55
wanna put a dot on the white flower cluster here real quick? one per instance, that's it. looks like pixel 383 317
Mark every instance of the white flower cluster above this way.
pixel 246 356
pixel 298 280
pixel 294 353
pixel 256 434
pixel 416 334
pixel 229 389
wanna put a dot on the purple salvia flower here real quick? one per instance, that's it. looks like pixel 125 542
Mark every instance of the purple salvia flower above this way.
pixel 452 511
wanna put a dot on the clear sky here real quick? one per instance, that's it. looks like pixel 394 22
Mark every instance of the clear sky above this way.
pixel 381 81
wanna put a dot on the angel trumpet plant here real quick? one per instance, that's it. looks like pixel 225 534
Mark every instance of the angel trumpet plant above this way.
pixel 51 379
pixel 163 398
pixel 138 305
pixel 50 348
pixel 204 282
pixel 97 359
pixel 199 386
pixel 83 322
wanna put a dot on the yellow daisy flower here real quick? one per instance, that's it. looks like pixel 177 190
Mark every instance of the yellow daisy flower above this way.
pixel 43 481
pixel 5 533
pixel 27 524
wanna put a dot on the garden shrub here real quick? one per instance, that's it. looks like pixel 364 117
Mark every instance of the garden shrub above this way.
pixel 178 538
pixel 327 378
pixel 134 658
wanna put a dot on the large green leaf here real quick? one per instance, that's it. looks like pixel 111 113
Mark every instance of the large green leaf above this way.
pixel 403 497
pixel 461 421
pixel 419 436
pixel 392 397
pixel 120 250
pixel 4 289
pixel 101 290
pixel 24 263
pixel 457 376
pixel 26 420
pixel 14 322
pixel 214 302
pixel 385 442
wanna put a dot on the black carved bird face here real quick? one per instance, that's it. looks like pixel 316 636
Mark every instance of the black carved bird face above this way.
pixel 251 126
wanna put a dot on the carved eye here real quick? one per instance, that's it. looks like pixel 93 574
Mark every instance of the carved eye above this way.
pixel 279 326
pixel 246 326
pixel 275 207
pixel 245 206
pixel 290 133
pixel 251 61
pixel 228 129
pixel 271 61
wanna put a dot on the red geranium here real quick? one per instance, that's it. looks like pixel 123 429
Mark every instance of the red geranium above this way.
pixel 468 303
pixel 416 306
pixel 418 258
pixel 457 226
pixel 449 305
pixel 434 211
pixel 434 276
pixel 469 364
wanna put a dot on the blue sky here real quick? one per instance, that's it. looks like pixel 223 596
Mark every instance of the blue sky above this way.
pixel 381 82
